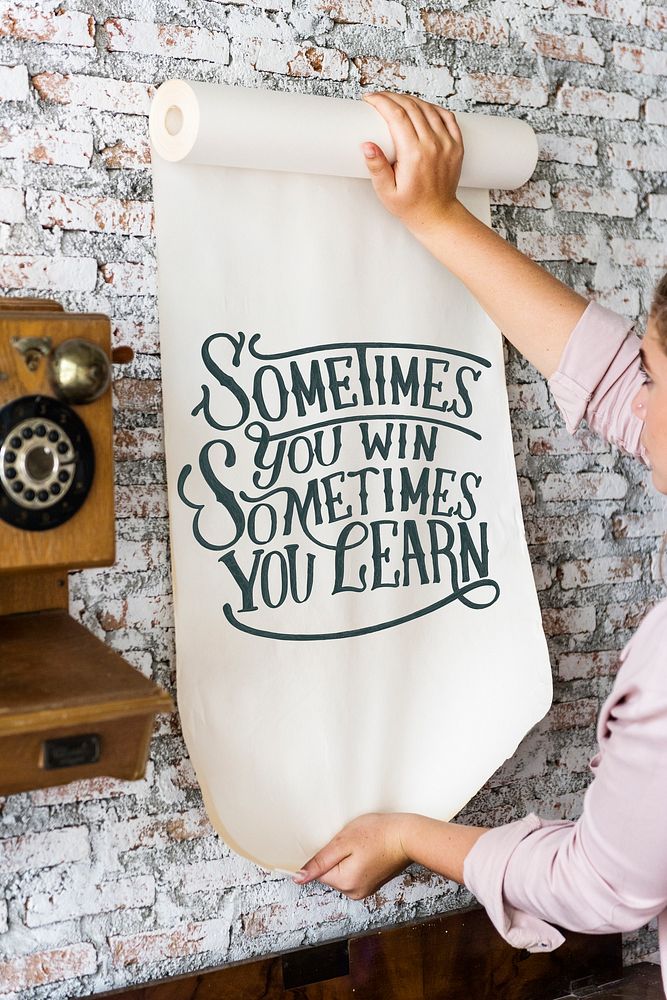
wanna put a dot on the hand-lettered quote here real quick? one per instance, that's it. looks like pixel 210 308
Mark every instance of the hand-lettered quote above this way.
pixel 328 470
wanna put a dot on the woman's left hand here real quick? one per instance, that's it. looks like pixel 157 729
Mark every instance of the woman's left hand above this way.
pixel 365 854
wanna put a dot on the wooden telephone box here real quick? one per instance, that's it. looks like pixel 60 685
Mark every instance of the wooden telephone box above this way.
pixel 70 707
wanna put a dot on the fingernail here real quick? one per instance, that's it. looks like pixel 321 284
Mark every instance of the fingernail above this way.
pixel 369 150
pixel 300 875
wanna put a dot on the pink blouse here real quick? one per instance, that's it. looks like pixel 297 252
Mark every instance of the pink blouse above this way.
pixel 608 871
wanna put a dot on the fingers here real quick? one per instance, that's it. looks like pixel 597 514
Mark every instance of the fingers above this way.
pixel 321 863
pixel 448 119
pixel 380 169
pixel 400 126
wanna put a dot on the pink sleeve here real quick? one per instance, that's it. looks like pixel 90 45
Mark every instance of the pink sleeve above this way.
pixel 608 871
pixel 598 377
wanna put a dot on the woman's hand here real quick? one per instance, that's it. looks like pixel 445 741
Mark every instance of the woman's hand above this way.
pixel 420 188
pixel 365 854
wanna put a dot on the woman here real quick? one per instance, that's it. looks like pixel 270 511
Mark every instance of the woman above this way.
pixel 608 871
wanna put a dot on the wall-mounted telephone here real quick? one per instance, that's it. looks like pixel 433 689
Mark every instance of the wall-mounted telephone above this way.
pixel 70 707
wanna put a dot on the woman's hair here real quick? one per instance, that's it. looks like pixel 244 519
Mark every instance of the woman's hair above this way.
pixel 658 310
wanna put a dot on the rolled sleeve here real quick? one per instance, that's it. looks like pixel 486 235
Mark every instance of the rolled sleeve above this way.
pixel 598 377
pixel 484 874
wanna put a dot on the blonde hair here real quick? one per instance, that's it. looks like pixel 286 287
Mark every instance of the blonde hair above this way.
pixel 658 310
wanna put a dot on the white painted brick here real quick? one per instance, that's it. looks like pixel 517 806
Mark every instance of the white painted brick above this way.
pixel 528 396
pixel 292 59
pixel 600 201
pixel 174 40
pixel 4 916
pixel 12 208
pixel 140 334
pixel 141 501
pixel 621 300
pixel 583 486
pixel 574 666
pixel 43 850
pixel 146 443
pixel 549 530
pixel 129 153
pixel 131 218
pixel 130 279
pixel 570 48
pixel 656 18
pixel 639 253
pixel 13 83
pixel 192 938
pixel 381 13
pixel 564 246
pixel 657 206
pixel 526 491
pixel 629 12
pixel 382 73
pixel 568 621
pixel 45 145
pixel 92 789
pixel 638 59
pixel 649 524
pixel 490 88
pixel 558 441
pixel 215 875
pixel 597 103
pixel 98 92
pixel 534 194
pixel 477 28
pixel 629 156
pixel 568 149
pixel 58 27
pixel 43 967
pixel 543 575
pixel 84 898
pixel 656 111
pixel 600 571
pixel 78 274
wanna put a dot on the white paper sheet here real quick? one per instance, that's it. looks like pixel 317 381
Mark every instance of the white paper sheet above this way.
pixel 388 653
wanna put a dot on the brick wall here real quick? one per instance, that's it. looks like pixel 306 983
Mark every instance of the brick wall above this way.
pixel 105 882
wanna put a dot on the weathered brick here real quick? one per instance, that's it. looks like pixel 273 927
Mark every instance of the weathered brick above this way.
pixel 573 714
pixel 624 11
pixel 548 530
pixel 88 898
pixel 526 491
pixel 638 59
pixel 42 967
pixel 57 27
pixel 568 621
pixel 648 524
pixel 583 486
pixel 657 206
pixel 571 48
pixel 639 253
pixel 600 201
pixel 492 88
pixel 534 194
pixel 191 938
pixel 477 28
pixel 656 18
pixel 625 615
pixel 600 571
pixel 563 246
pixel 381 13
pixel 558 441
pixel 174 40
pixel 597 103
pixel 4 916
pixel 135 445
pixel 130 279
pixel 43 850
pixel 140 502
pixel 13 83
pixel 528 396
pixel 77 274
pixel 127 154
pixel 382 73
pixel 141 334
pixel 656 111
pixel 138 394
pixel 131 218
pixel 12 207
pixel 543 575
pixel 575 666
pixel 292 59
pixel 45 145
pixel 215 875
pixel 568 149
pixel 630 156
pixel 91 789
pixel 98 92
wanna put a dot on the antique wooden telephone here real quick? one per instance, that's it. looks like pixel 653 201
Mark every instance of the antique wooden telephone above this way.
pixel 70 707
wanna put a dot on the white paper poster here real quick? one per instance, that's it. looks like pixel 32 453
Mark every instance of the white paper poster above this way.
pixel 357 627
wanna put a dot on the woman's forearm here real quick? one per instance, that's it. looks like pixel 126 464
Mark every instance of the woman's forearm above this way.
pixel 533 309
pixel 440 846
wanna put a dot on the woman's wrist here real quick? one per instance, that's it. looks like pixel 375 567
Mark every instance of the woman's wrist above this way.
pixel 436 844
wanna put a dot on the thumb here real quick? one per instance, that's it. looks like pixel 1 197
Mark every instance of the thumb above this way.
pixel 379 167
pixel 320 864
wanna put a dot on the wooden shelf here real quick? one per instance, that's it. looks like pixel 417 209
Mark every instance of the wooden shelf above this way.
pixel 59 682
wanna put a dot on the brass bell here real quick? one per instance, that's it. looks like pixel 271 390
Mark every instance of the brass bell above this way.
pixel 79 371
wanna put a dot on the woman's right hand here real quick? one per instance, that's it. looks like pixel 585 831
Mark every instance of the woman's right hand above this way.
pixel 420 188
